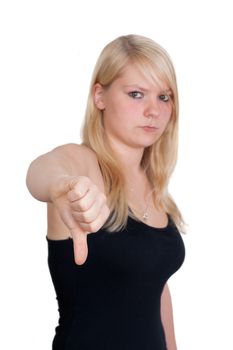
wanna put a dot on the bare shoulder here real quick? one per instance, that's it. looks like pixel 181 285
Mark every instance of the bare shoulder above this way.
pixel 82 162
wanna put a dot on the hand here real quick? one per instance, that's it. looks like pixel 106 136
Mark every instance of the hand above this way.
pixel 82 208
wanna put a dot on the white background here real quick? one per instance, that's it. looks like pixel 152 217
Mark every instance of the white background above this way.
pixel 48 50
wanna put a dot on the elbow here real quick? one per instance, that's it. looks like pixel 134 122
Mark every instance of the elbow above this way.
pixel 31 181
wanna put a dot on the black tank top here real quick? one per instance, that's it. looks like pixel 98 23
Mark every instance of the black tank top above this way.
pixel 112 301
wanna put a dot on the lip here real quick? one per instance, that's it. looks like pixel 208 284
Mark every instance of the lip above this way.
pixel 149 128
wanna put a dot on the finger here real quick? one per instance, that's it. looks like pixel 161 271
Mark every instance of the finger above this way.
pixel 95 225
pixel 85 202
pixel 77 193
pixel 79 188
pixel 91 213
pixel 80 246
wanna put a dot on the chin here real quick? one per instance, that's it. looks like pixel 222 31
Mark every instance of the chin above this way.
pixel 149 143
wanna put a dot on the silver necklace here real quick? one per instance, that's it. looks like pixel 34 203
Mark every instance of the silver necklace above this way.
pixel 145 213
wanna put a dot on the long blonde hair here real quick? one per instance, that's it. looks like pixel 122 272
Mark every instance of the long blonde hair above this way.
pixel 159 159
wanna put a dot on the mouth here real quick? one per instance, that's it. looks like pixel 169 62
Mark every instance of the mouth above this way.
pixel 149 128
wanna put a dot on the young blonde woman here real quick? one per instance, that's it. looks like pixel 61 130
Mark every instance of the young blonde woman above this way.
pixel 113 229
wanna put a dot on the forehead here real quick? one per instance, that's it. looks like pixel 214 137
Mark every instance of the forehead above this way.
pixel 134 75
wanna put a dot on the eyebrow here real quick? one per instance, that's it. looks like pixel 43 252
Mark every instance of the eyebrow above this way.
pixel 135 86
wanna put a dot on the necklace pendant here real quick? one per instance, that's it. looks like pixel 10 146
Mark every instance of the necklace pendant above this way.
pixel 145 216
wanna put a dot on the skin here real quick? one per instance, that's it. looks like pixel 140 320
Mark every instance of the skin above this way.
pixel 135 114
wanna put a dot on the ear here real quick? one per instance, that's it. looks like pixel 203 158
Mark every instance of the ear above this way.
pixel 98 96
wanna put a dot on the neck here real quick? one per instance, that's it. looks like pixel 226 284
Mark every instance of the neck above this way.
pixel 130 164
pixel 129 158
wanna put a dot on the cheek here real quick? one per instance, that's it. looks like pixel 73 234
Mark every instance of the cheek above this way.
pixel 166 117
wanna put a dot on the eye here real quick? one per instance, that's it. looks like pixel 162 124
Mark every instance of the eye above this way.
pixel 136 94
pixel 164 97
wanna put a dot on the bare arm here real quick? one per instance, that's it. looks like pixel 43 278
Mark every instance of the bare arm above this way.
pixel 167 318
pixel 69 179
pixel 66 160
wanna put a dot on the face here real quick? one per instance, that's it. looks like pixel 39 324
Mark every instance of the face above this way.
pixel 135 111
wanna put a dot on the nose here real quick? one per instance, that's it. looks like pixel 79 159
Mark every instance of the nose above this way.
pixel 152 108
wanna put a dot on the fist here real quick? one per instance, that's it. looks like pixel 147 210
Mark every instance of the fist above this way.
pixel 84 210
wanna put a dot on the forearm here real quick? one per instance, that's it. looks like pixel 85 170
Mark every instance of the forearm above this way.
pixel 45 170
pixel 167 319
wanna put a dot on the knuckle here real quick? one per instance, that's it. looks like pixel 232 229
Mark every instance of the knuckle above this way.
pixel 82 185
pixel 83 206
pixel 77 191
pixel 87 218
pixel 71 196
pixel 92 227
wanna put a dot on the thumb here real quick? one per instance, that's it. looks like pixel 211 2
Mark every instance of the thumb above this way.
pixel 79 236
pixel 80 246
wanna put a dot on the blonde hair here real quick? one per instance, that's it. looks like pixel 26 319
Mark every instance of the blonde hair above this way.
pixel 159 159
